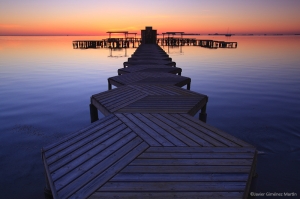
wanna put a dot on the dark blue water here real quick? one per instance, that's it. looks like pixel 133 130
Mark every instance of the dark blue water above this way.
pixel 45 88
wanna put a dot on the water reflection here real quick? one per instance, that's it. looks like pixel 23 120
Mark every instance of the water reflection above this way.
pixel 113 50
pixel 45 86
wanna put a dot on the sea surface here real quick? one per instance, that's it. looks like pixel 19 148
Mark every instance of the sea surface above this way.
pixel 46 85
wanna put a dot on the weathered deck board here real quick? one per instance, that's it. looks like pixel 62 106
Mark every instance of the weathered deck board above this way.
pixel 91 158
pixel 102 160
pixel 149 78
pixel 152 62
pixel 145 58
pixel 163 195
pixel 150 177
pixel 150 68
pixel 168 174
pixel 149 99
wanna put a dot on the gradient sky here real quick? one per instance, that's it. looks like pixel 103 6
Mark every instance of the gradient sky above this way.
pixel 95 17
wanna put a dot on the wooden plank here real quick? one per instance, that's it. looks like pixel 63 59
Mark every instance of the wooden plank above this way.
pixel 160 104
pixel 190 155
pixel 165 195
pixel 148 129
pixel 251 175
pixel 97 134
pixel 72 139
pixel 182 91
pixel 138 68
pixel 164 80
pixel 139 131
pixel 90 188
pixel 203 138
pixel 153 78
pixel 190 162
pixel 174 177
pixel 48 179
pixel 104 110
pixel 85 163
pixel 187 169
pixel 153 89
pixel 172 130
pixel 200 150
pixel 166 90
pixel 220 133
pixel 119 94
pixel 113 92
pixel 92 178
pixel 180 127
pixel 171 186
pixel 78 155
pixel 160 130
pixel 158 62
pixel 144 58
pixel 117 103
pixel 225 139
pixel 76 134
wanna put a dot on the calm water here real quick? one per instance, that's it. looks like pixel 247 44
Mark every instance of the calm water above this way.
pixel 45 88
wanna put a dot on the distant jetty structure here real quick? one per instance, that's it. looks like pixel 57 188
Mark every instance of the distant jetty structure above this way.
pixel 168 39
pixel 149 144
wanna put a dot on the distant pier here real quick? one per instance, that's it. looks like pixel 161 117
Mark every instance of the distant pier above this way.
pixel 169 40
pixel 107 43
pixel 135 42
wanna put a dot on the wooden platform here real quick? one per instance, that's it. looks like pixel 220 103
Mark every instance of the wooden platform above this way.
pixel 150 68
pixel 149 145
pixel 152 62
pixel 145 78
pixel 144 58
pixel 135 155
pixel 148 99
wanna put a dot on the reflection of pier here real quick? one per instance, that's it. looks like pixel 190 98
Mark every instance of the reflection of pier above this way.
pixel 111 50
pixel 216 44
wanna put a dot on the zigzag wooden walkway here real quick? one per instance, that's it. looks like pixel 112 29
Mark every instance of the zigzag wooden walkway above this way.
pixel 149 145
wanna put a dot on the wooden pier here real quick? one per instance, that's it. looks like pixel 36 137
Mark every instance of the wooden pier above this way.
pixel 170 40
pixel 149 145
pixel 107 43
pixel 135 42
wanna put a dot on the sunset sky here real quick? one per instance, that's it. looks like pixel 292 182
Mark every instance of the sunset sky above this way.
pixel 95 17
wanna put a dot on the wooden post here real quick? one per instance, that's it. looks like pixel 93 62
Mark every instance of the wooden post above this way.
pixel 202 114
pixel 109 85
pixel 47 189
pixel 188 86
pixel 93 113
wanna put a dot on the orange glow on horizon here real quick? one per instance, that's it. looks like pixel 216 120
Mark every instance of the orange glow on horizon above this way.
pixel 94 18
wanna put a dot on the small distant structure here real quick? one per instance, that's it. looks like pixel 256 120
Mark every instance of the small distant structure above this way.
pixel 117 32
pixel 170 40
pixel 120 42
pixel 149 36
